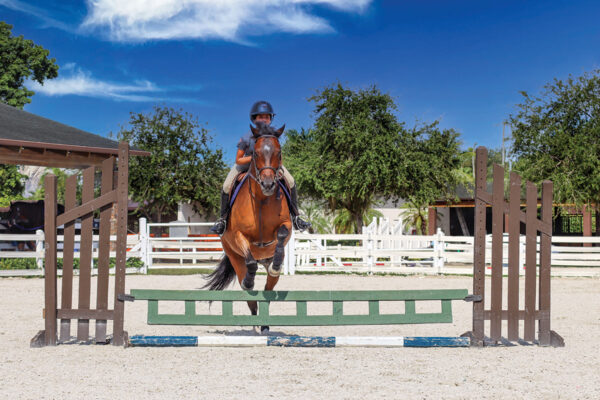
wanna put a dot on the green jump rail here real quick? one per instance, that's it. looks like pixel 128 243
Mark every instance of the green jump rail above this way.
pixel 301 298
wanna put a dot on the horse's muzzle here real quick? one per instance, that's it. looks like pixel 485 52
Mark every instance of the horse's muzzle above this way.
pixel 268 187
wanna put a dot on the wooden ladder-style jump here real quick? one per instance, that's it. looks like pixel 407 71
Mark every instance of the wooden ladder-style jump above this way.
pixel 114 189
pixel 513 314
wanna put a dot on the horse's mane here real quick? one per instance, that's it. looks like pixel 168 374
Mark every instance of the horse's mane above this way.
pixel 265 130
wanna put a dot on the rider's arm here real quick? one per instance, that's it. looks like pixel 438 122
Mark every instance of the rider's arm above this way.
pixel 240 159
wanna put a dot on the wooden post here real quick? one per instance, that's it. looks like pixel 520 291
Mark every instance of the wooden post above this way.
pixel 50 338
pixel 85 255
pixel 119 335
pixel 431 221
pixel 68 255
pixel 103 249
pixel 513 256
pixel 587 224
pixel 479 244
pixel 530 262
pixel 497 245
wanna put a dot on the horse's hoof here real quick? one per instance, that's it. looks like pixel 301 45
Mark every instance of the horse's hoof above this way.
pixel 274 271
pixel 264 330
pixel 246 286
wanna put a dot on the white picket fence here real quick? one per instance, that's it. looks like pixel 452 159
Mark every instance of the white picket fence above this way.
pixel 372 252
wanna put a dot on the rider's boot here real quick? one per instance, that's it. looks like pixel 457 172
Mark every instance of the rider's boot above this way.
pixel 221 224
pixel 298 222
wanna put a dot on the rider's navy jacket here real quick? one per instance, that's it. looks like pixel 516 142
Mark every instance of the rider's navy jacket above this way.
pixel 246 143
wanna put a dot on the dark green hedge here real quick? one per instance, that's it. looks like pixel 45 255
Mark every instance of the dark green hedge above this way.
pixel 29 263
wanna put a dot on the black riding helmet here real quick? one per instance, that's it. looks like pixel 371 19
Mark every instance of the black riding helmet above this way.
pixel 261 107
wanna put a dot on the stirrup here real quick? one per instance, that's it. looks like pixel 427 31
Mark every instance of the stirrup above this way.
pixel 219 227
pixel 300 224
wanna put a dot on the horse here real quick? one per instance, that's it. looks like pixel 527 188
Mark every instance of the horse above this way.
pixel 259 222
pixel 26 217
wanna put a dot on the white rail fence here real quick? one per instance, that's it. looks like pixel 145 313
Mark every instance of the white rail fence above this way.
pixel 9 244
pixel 378 252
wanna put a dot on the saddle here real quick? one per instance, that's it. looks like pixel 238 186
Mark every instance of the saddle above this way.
pixel 239 181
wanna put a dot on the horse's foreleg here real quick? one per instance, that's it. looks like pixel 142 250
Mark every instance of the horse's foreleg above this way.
pixel 270 285
pixel 282 234
pixel 251 266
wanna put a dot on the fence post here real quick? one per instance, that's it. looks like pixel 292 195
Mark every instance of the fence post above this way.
pixel 521 255
pixel 39 249
pixel 290 256
pixel 143 238
pixel 438 247
pixel 320 246
pixel 370 253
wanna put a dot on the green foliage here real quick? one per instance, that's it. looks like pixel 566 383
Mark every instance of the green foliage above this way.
pixel 358 153
pixel 316 213
pixel 345 223
pixel 29 263
pixel 11 184
pixel 428 161
pixel 346 158
pixel 465 174
pixel 556 136
pixel 21 59
pixel 61 179
pixel 18 263
pixel 182 166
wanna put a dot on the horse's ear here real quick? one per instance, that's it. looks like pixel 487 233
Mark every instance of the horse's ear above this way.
pixel 279 131
pixel 255 131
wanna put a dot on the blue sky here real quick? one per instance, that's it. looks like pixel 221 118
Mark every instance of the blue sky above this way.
pixel 460 62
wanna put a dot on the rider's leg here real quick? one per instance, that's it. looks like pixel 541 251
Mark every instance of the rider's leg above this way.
pixel 298 222
pixel 221 224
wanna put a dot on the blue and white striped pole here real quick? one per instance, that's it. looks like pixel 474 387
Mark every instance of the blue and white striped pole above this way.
pixel 297 341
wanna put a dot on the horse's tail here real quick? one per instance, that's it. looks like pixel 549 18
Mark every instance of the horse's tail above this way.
pixel 222 276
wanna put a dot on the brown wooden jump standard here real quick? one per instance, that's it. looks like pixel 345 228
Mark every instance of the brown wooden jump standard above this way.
pixel 496 314
pixel 83 313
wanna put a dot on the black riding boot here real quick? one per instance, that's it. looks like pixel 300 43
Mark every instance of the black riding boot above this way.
pixel 298 222
pixel 221 224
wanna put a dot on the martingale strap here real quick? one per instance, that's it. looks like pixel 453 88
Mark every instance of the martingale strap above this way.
pixel 286 192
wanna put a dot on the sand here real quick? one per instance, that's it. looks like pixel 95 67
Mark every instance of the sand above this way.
pixel 109 372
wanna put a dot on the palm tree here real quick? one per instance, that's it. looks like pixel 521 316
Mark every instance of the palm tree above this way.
pixel 320 220
pixel 344 221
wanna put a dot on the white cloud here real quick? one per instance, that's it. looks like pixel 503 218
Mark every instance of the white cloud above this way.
pixel 81 83
pixel 26 8
pixel 140 20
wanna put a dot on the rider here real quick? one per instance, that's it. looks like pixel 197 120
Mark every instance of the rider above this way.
pixel 261 111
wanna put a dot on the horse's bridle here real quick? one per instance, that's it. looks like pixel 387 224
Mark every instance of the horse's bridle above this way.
pixel 257 171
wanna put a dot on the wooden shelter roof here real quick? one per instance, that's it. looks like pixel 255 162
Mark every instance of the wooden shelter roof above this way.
pixel 28 139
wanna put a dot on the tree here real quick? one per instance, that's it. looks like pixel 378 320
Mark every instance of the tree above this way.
pixel 556 136
pixel 182 166
pixel 346 157
pixel 21 59
pixel 12 185
pixel 430 160
pixel 61 181
pixel 358 154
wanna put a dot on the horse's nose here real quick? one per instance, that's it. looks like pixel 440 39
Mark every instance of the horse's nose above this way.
pixel 270 185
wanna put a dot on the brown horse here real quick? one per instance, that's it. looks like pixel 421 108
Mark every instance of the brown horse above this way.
pixel 259 224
